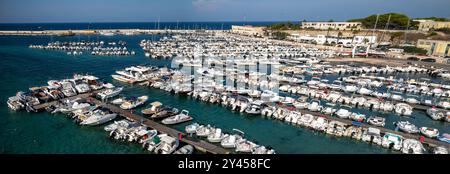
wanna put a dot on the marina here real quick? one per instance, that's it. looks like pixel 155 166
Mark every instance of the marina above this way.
pixel 304 100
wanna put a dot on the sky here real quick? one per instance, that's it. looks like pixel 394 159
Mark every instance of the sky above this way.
pixel 34 11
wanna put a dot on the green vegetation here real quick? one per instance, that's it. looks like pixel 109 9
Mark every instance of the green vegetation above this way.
pixel 413 50
pixel 280 35
pixel 396 35
pixel 432 34
pixel 444 30
pixel 397 21
pixel 284 26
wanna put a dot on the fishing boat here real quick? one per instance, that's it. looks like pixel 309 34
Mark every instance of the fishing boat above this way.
pixel 134 102
pixel 407 127
pixel 377 121
pixel 372 135
pixel 98 117
pixel 186 149
pixel 429 132
pixel 179 118
pixel 109 93
pixel 412 146
pixel 392 141
pixel 155 107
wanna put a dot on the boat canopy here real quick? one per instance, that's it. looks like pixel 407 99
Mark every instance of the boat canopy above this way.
pixel 156 103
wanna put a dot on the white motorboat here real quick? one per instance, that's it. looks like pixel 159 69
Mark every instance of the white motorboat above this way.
pixel 204 131
pixel 244 146
pixel 435 113
pixel 350 88
pixel 109 93
pixel 440 150
pixel 216 136
pixel 314 106
pixel 192 128
pixel 377 121
pixel 230 141
pixel 186 149
pixel 392 141
pixel 407 127
pixel 98 117
pixel 167 146
pixel 134 102
pixel 429 132
pixel 412 146
pixel 403 109
pixel 305 120
pixel 262 150
pixel 372 135
pixel 14 103
pixel 179 118
pixel 155 107
pixel 255 107
pixel 343 113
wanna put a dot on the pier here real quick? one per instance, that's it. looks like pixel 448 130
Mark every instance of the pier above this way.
pixel 428 141
pixel 198 144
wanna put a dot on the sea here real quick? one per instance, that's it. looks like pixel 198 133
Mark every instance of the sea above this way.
pixel 43 133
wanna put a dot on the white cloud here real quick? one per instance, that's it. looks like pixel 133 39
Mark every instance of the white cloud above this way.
pixel 208 5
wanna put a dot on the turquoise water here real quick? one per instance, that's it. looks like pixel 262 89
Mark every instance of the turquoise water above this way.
pixel 22 132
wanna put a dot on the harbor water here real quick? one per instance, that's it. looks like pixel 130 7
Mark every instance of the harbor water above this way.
pixel 22 132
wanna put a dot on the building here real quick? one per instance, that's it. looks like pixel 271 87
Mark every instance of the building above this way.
pixel 427 25
pixel 323 39
pixel 332 25
pixel 435 47
pixel 248 30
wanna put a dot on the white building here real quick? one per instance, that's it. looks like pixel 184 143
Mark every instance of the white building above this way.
pixel 248 30
pixel 323 39
pixel 332 25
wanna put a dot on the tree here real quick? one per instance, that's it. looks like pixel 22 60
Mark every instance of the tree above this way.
pixel 280 35
pixel 397 21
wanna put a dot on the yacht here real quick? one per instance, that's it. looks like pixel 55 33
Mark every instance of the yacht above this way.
pixel 204 131
pixel 109 93
pixel 176 119
pixel 98 117
pixel 403 109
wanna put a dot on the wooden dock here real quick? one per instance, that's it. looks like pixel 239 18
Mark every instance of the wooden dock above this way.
pixel 82 96
pixel 430 142
pixel 198 144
